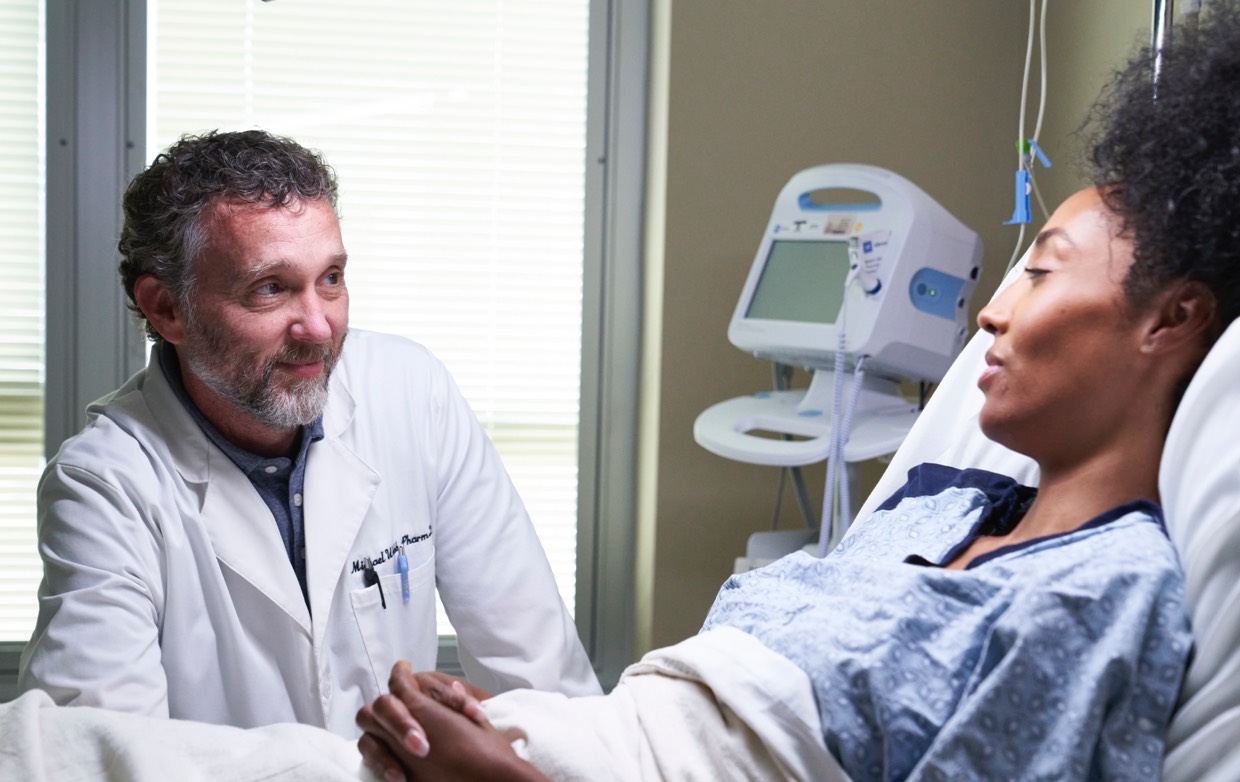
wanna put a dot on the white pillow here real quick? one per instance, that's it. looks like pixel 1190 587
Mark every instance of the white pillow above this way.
pixel 1199 484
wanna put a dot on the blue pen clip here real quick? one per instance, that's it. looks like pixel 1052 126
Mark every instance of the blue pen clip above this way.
pixel 402 567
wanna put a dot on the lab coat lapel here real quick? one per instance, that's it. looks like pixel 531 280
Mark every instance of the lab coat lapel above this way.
pixel 339 490
pixel 242 531
pixel 245 537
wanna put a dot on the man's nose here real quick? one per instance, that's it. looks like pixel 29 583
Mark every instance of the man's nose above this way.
pixel 311 323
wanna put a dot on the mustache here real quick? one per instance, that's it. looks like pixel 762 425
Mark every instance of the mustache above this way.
pixel 304 354
pixel 328 353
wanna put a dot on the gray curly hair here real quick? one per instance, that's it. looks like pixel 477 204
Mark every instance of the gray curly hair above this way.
pixel 164 231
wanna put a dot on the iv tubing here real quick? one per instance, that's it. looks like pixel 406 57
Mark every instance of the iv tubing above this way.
pixel 840 424
pixel 1022 161
pixel 827 532
pixel 845 489
pixel 826 528
pixel 1037 127
pixel 1020 129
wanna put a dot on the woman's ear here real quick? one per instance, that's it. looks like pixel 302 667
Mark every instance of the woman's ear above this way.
pixel 1186 315
pixel 160 307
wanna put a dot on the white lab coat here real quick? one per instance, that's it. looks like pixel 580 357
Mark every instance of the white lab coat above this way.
pixel 167 590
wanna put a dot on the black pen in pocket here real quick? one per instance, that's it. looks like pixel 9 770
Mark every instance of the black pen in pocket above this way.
pixel 371 578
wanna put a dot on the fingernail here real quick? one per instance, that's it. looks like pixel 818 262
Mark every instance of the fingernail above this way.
pixel 393 775
pixel 416 744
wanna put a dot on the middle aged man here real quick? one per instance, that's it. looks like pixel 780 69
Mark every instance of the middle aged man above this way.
pixel 251 530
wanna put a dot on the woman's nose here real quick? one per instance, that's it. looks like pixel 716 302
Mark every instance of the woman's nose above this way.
pixel 993 318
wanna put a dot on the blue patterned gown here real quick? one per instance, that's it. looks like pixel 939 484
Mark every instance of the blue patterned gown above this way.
pixel 1056 659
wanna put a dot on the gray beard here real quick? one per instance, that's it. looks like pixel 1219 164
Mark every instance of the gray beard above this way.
pixel 219 367
pixel 276 408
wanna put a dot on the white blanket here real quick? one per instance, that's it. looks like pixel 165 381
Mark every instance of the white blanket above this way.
pixel 40 742
pixel 719 705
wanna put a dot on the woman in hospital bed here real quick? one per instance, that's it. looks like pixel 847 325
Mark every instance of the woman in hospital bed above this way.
pixel 970 628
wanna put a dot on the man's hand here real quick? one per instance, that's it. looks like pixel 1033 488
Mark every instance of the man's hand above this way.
pixel 457 694
pixel 432 726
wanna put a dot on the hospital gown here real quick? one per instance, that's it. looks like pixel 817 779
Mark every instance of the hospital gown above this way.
pixel 1056 659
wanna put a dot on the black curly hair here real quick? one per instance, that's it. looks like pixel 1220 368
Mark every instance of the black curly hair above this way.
pixel 164 206
pixel 1166 156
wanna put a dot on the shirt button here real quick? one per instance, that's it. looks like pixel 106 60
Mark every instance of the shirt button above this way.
pixel 297 500
pixel 269 469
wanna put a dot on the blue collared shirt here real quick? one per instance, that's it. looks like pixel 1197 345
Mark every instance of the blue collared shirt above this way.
pixel 279 480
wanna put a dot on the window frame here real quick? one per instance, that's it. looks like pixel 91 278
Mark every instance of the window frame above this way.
pixel 96 90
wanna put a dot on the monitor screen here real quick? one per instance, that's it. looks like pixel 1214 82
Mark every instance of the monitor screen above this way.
pixel 802 281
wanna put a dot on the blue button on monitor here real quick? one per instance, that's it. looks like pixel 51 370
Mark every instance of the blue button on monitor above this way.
pixel 934 292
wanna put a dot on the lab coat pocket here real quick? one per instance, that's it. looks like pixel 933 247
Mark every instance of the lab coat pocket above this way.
pixel 402 630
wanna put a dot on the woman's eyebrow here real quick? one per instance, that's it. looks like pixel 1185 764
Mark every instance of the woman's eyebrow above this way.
pixel 1049 233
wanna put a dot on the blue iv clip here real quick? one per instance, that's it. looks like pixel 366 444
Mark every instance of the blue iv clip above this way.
pixel 1022 213
pixel 402 567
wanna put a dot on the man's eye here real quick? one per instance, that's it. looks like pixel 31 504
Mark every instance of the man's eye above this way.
pixel 335 278
pixel 1035 272
pixel 270 289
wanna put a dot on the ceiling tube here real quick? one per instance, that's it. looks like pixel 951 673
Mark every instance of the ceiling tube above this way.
pixel 1161 29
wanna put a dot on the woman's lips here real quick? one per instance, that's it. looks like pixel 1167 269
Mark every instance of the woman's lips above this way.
pixel 993 366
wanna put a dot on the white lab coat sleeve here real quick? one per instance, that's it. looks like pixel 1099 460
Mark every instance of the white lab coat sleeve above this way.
pixel 96 641
pixel 40 742
pixel 492 572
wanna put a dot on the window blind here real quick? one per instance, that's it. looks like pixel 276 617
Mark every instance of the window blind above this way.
pixel 21 309
pixel 458 134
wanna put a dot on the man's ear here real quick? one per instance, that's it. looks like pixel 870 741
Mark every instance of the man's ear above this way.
pixel 160 307
pixel 1185 316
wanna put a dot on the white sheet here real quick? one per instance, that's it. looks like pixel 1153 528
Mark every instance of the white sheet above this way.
pixel 719 705
pixel 40 742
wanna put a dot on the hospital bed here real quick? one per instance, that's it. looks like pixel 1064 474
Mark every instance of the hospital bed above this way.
pixel 1199 482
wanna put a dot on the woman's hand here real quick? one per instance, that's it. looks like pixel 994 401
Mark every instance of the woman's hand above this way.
pixel 431 726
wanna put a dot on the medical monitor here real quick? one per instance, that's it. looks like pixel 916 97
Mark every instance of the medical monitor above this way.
pixel 801 281
pixel 906 303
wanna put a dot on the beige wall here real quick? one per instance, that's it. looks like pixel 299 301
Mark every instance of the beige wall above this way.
pixel 1088 41
pixel 756 91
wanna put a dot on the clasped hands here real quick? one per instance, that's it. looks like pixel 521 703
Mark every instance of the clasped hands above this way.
pixel 432 726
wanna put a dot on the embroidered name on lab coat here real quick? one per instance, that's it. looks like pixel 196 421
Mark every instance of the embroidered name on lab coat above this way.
pixel 390 552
